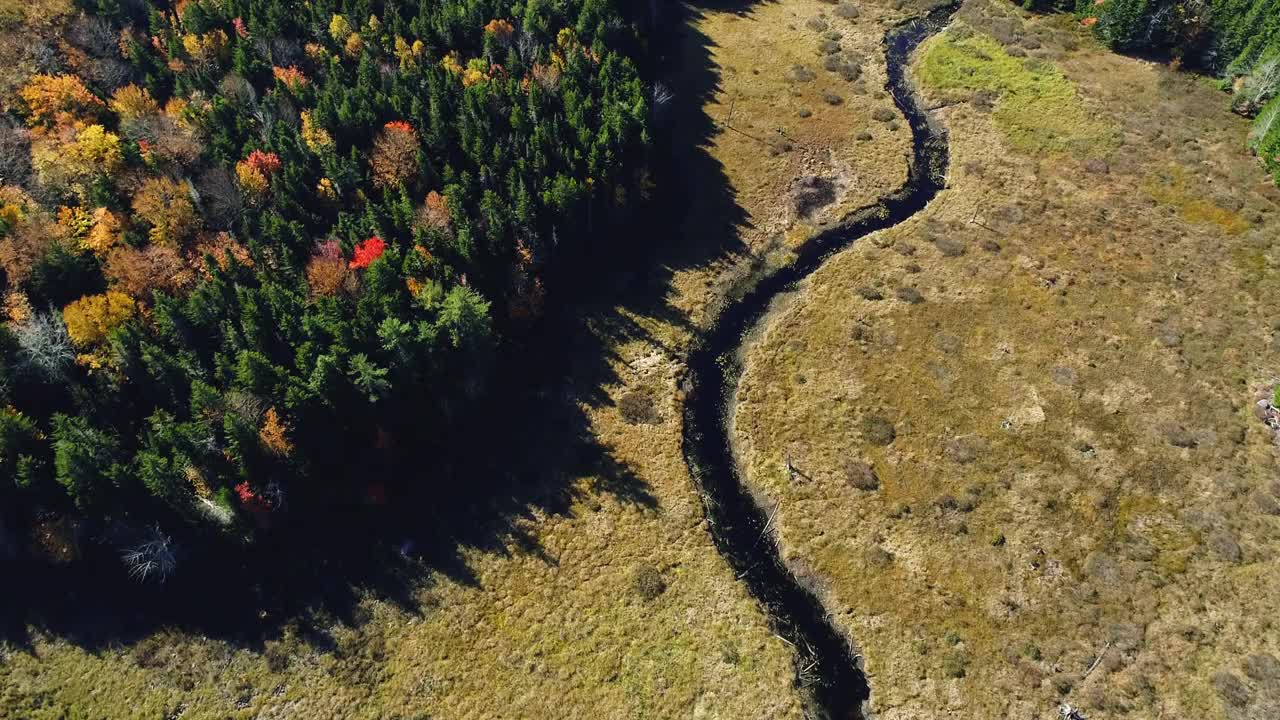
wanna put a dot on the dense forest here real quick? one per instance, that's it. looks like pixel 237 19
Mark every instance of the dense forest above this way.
pixel 247 245
pixel 1237 40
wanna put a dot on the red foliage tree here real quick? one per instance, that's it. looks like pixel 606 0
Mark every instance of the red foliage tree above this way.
pixel 266 163
pixel 367 251
pixel 252 501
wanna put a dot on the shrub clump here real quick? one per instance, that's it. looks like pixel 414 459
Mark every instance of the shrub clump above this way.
pixel 637 408
pixel 648 583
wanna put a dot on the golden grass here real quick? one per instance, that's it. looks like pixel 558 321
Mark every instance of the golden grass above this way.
pixel 1171 186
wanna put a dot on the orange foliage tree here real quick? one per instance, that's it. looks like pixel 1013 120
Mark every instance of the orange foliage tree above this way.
pixel 291 78
pixel 60 100
pixel 25 242
pixel 104 234
pixel 156 267
pixel 501 29
pixel 434 213
pixel 327 270
pixel 222 249
pixel 274 434
pixel 255 171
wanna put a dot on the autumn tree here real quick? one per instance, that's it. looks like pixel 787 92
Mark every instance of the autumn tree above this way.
pixel 394 159
pixel 222 249
pixel 60 100
pixel 165 204
pixel 155 267
pixel 104 234
pixel 327 270
pixel 501 30
pixel 367 251
pixel 30 237
pixel 434 212
pixel 217 371
pixel 132 102
pixel 255 171
pixel 74 159
pixel 274 434
pixel 313 134
pixel 92 318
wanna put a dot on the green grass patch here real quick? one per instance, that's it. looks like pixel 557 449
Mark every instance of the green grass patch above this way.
pixel 1037 107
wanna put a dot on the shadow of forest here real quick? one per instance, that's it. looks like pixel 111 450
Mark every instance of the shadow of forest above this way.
pixel 518 455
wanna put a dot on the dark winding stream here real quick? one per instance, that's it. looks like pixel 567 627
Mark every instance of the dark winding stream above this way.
pixel 825 662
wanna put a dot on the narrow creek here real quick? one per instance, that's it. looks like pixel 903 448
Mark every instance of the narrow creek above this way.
pixel 826 664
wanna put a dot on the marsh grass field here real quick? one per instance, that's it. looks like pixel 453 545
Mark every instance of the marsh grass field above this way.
pixel 1013 441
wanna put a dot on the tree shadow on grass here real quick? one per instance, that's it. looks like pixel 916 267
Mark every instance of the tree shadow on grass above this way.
pixel 527 451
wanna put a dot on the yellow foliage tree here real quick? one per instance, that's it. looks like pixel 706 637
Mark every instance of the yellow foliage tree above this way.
pixel 98 148
pixel 166 205
pixel 132 102
pixel 72 159
pixel 354 45
pixel 252 181
pixel 407 53
pixel 339 28
pixel 452 63
pixel 315 136
pixel 206 47
pixel 74 222
pixel 92 318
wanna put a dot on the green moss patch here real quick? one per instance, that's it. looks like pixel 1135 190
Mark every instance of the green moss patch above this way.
pixel 1037 107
